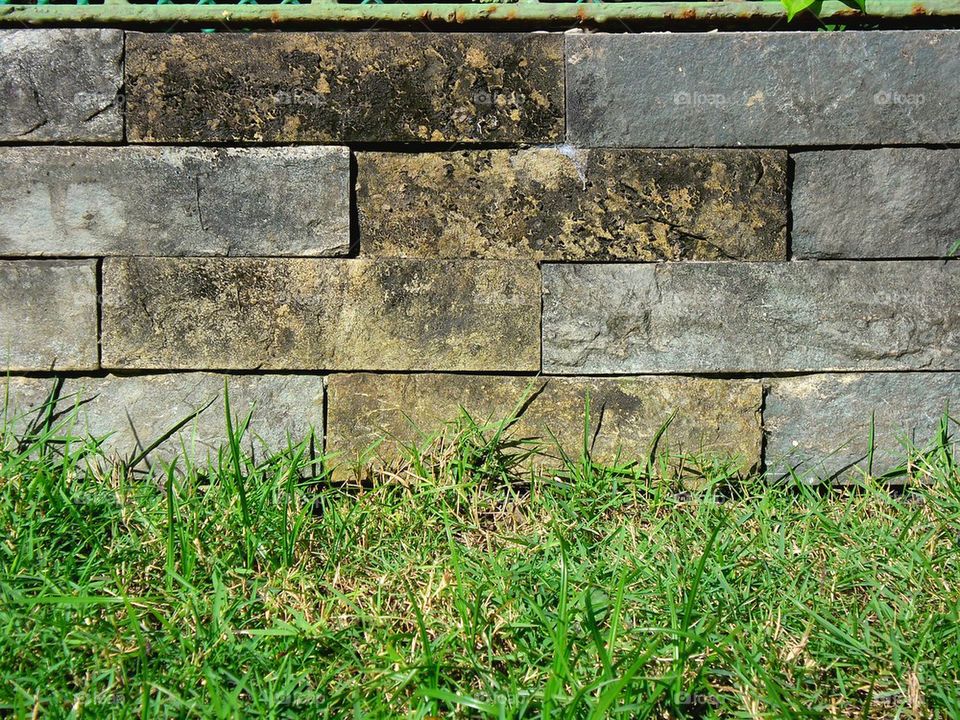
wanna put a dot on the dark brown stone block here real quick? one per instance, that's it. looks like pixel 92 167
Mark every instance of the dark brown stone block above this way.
pixel 344 87
pixel 560 204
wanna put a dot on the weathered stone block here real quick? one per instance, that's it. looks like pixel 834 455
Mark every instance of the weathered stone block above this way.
pixel 137 411
pixel 715 416
pixel 320 314
pixel 561 203
pixel 884 203
pixel 21 399
pixel 751 317
pixel 763 89
pixel 344 87
pixel 48 315
pixel 61 85
pixel 819 425
pixel 175 201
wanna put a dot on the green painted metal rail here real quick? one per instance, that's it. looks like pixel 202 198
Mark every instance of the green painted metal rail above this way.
pixel 356 12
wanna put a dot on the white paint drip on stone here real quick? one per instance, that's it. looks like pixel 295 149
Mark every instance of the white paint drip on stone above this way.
pixel 579 159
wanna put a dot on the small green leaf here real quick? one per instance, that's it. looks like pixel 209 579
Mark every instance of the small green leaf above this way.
pixel 797 6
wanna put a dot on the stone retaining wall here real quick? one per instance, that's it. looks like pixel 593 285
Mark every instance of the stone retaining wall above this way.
pixel 747 231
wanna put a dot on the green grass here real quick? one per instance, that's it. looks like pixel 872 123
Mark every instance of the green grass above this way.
pixel 463 585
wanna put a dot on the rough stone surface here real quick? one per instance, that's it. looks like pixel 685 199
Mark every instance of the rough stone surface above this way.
pixel 320 314
pixel 137 411
pixel 559 204
pixel 763 89
pixel 719 416
pixel 819 425
pixel 61 85
pixel 884 203
pixel 174 201
pixel 751 317
pixel 344 87
pixel 48 315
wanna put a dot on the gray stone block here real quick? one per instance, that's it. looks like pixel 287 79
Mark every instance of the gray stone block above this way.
pixel 751 317
pixel 21 401
pixel 61 85
pixel 884 203
pixel 763 89
pixel 174 201
pixel 244 313
pixel 133 412
pixel 344 87
pixel 819 425
pixel 48 315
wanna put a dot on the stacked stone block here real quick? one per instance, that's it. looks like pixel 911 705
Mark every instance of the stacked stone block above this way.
pixel 363 232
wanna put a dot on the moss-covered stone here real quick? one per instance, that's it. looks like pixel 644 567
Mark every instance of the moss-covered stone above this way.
pixel 340 87
pixel 245 313
pixel 558 204
pixel 713 416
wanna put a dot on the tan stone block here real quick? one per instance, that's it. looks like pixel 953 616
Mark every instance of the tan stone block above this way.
pixel 244 313
pixel 720 417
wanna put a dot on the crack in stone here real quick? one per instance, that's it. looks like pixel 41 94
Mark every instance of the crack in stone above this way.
pixel 762 170
pixel 679 229
pixel 203 227
pixel 44 121
pixel 99 111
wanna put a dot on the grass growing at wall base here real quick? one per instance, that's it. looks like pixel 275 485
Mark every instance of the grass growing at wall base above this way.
pixel 467 587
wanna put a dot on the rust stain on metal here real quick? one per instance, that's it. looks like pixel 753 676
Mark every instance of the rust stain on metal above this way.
pixel 546 14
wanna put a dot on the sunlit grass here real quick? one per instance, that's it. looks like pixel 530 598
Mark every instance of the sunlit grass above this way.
pixel 459 583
